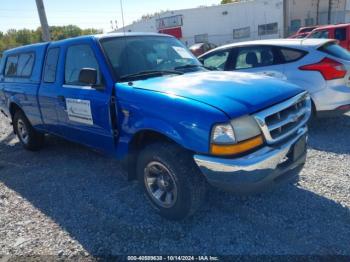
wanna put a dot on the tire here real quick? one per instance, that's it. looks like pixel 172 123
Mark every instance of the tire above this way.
pixel 181 178
pixel 27 135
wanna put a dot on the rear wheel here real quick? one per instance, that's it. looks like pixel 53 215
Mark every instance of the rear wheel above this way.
pixel 171 181
pixel 27 135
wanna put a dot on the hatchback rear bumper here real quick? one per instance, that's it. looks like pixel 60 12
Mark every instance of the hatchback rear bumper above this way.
pixel 331 99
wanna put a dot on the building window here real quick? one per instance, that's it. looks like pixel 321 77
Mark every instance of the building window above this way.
pixel 295 25
pixel 240 33
pixel 268 29
pixel 169 22
pixel 309 21
pixel 203 38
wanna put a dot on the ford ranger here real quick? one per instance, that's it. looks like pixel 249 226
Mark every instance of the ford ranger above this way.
pixel 146 100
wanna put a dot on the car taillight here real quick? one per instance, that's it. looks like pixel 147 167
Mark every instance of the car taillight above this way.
pixel 329 68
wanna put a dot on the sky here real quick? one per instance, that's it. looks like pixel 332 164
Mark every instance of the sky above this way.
pixel 18 14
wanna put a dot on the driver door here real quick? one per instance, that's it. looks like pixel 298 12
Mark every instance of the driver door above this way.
pixel 84 111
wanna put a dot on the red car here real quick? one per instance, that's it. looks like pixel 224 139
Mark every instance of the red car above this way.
pixel 201 48
pixel 303 32
pixel 340 32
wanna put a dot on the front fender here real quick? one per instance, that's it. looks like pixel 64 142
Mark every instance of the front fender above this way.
pixel 188 135
pixel 186 122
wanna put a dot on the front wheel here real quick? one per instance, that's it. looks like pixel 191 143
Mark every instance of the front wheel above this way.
pixel 27 135
pixel 171 181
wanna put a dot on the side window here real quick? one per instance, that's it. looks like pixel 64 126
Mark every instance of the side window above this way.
pixel 20 65
pixel 291 55
pixel 25 65
pixel 216 60
pixel 11 66
pixel 252 57
pixel 320 34
pixel 51 65
pixel 77 58
pixel 340 34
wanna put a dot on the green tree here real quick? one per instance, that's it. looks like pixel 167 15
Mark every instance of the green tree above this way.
pixel 13 38
pixel 229 1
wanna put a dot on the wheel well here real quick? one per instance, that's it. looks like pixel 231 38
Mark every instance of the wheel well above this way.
pixel 140 141
pixel 144 138
pixel 313 108
pixel 13 109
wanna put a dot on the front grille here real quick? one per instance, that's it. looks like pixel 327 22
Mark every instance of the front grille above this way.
pixel 284 119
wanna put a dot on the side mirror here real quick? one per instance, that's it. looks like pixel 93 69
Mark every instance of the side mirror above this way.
pixel 88 76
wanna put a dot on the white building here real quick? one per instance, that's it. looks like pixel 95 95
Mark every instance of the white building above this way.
pixel 245 20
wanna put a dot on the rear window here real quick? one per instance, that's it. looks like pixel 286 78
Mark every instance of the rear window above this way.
pixel 292 55
pixel 340 34
pixel 335 50
pixel 20 65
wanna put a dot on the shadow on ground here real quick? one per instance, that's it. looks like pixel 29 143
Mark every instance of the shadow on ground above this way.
pixel 331 134
pixel 88 196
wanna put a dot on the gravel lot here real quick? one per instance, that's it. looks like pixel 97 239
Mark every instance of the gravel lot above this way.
pixel 68 200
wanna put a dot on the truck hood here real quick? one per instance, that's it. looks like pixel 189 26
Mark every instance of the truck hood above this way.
pixel 234 93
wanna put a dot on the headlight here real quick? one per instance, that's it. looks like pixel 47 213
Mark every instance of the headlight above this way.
pixel 238 136
pixel 223 134
pixel 245 127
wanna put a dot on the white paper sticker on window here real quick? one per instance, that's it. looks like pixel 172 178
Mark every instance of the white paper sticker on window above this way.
pixel 182 52
pixel 79 111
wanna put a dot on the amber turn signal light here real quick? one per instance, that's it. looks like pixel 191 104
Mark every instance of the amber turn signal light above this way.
pixel 227 150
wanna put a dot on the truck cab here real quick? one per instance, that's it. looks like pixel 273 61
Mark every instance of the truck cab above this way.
pixel 340 32
pixel 147 101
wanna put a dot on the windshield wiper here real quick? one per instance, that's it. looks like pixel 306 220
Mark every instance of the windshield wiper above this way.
pixel 188 66
pixel 148 74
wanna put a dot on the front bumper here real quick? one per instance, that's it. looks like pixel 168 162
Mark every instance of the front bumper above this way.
pixel 258 171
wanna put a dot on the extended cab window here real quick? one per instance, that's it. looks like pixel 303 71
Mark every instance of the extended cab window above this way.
pixel 255 56
pixel 20 65
pixel 11 66
pixel 51 65
pixel 77 58
pixel 25 65
pixel 216 60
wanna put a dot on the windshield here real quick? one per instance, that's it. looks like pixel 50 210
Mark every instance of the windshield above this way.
pixel 132 55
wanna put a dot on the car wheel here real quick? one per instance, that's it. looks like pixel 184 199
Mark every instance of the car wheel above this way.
pixel 27 135
pixel 171 181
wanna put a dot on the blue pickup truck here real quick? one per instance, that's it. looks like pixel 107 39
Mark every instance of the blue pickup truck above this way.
pixel 146 100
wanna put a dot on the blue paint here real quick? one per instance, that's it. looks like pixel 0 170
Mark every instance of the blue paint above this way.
pixel 184 108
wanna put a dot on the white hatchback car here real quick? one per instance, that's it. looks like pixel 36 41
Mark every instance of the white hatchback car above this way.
pixel 319 66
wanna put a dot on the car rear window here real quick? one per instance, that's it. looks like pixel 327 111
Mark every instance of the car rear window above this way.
pixel 335 50
pixel 292 55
